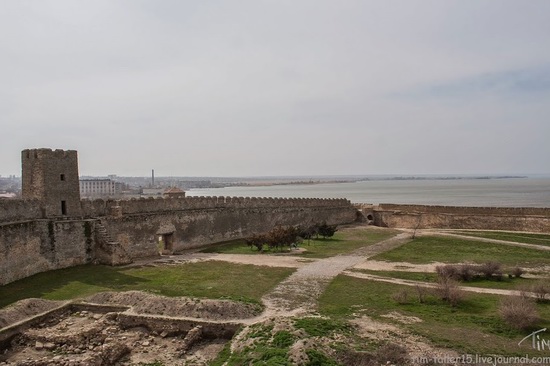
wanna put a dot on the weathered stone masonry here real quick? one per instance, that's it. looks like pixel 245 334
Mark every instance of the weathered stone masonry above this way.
pixel 117 232
pixel 530 219
pixel 52 228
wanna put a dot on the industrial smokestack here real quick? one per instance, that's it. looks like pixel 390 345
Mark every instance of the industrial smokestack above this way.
pixel 152 177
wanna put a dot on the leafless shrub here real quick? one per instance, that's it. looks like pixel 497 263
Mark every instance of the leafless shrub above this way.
pixel 447 289
pixel 448 271
pixel 541 290
pixel 467 272
pixel 401 297
pixel 491 269
pixel 517 272
pixel 524 290
pixel 422 292
pixel 519 312
pixel 462 272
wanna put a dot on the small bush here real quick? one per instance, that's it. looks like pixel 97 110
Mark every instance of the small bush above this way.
pixel 541 290
pixel 519 312
pixel 517 272
pixel 467 272
pixel 422 292
pixel 447 289
pixel 447 271
pixel 491 269
pixel 463 272
pixel 401 297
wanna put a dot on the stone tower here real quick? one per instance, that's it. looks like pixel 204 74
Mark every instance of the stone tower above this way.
pixel 51 176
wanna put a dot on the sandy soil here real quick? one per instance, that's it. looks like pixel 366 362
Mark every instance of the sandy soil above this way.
pixel 24 309
pixel 145 303
pixel 287 260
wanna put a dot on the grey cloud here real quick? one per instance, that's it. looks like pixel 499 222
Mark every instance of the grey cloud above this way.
pixel 277 88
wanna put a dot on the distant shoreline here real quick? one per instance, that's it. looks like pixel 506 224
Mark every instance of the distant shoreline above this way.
pixel 397 178
pixel 479 191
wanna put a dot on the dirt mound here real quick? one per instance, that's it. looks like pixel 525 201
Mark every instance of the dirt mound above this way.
pixel 24 309
pixel 145 303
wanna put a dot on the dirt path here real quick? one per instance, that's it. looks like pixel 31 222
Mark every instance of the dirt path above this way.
pixel 298 294
pixel 383 246
pixel 287 261
pixel 427 284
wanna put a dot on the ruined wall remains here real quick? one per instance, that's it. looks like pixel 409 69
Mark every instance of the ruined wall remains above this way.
pixel 445 217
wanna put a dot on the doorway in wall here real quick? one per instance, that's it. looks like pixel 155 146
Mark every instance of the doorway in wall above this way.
pixel 166 243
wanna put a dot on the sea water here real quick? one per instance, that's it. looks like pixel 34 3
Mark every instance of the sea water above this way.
pixel 502 192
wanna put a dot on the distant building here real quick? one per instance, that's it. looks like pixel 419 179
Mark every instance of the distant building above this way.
pixel 99 188
pixel 174 192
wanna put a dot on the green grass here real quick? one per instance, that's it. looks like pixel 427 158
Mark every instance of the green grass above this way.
pixel 265 350
pixel 344 241
pixel 474 326
pixel 430 249
pixel 204 280
pixel 320 327
pixel 505 283
pixel 540 239
pixel 231 247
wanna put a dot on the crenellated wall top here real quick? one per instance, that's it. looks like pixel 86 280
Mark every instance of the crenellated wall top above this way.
pixel 94 208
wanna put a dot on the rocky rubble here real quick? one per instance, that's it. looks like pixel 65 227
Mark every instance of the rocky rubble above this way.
pixel 94 339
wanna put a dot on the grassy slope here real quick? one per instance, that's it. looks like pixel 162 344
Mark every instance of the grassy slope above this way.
pixel 344 241
pixel 540 239
pixel 474 326
pixel 505 283
pixel 206 279
pixel 450 250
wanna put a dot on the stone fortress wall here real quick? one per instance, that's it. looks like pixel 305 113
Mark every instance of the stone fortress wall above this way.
pixel 530 219
pixel 120 231
pixel 52 228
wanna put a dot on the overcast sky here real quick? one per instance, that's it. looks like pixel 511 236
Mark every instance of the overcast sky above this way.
pixel 297 87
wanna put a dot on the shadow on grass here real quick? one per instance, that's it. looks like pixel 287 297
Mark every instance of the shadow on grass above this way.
pixel 240 247
pixel 68 283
